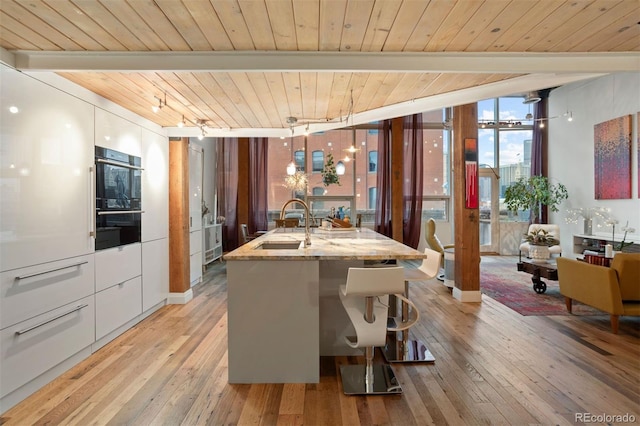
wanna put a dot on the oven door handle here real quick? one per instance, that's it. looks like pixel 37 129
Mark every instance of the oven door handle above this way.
pixel 115 163
pixel 119 212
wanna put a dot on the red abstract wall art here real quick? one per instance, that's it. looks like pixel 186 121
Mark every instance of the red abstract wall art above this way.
pixel 471 173
pixel 612 165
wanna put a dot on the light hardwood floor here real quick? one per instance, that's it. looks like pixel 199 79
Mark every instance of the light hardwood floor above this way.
pixel 492 366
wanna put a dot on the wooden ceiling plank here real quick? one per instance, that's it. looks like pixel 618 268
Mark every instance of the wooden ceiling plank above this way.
pixel 282 23
pixel 11 41
pixel 291 82
pixel 234 24
pixel 259 26
pixel 360 81
pixel 504 20
pixel 408 86
pixel 623 15
pixel 263 91
pixel 150 84
pixel 215 100
pixel 29 19
pixel 32 40
pixel 338 101
pixel 160 24
pixel 279 95
pixel 250 100
pixel 389 84
pixel 381 22
pixel 330 27
pixel 207 20
pixel 405 23
pixel 65 25
pixel 519 33
pixel 309 90
pixel 355 25
pixel 140 30
pixel 307 21
pixel 540 35
pixel 324 81
pixel 180 18
pixel 90 28
pixel 237 99
pixel 460 14
pixel 476 25
pixel 429 25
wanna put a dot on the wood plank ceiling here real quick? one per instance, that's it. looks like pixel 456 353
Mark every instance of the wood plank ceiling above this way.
pixel 139 53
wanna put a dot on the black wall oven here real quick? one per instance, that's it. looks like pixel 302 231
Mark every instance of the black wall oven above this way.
pixel 118 198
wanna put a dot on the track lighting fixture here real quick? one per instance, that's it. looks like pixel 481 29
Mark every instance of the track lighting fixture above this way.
pixel 532 98
pixel 182 122
pixel 161 103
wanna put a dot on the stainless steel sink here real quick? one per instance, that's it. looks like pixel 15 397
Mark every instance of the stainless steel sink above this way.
pixel 279 245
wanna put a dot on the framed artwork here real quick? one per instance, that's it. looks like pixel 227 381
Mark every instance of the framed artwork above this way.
pixel 612 162
pixel 471 173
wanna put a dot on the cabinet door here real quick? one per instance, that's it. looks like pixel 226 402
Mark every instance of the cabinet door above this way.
pixel 117 305
pixel 46 189
pixel 155 272
pixel 195 187
pixel 155 186
pixel 117 133
pixel 117 264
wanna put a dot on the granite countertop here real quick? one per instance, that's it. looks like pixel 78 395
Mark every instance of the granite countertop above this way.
pixel 337 244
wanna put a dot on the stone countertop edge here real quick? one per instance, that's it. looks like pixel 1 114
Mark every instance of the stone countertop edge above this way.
pixel 356 244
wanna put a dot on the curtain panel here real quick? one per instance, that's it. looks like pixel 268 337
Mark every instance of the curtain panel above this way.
pixel 258 175
pixel 383 184
pixel 412 180
pixel 227 174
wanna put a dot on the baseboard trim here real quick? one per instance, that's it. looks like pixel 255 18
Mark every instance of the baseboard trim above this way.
pixel 473 296
pixel 180 298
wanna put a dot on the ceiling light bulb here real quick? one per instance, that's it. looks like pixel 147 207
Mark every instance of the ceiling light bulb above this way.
pixel 13 109
pixel 541 125
pixel 570 118
pixel 200 137
pixel 155 108
pixel 291 168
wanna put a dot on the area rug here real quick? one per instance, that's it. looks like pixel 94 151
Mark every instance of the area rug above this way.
pixel 501 280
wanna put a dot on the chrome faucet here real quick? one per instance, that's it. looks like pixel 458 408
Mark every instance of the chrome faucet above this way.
pixel 307 234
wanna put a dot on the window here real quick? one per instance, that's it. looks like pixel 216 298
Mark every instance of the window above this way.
pixel 299 159
pixel 317 191
pixel 317 160
pixel 373 192
pixel 373 161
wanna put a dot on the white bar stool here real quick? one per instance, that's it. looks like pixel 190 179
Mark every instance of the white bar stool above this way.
pixel 404 349
pixel 365 297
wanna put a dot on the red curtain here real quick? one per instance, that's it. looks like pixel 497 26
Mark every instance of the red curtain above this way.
pixel 412 180
pixel 258 174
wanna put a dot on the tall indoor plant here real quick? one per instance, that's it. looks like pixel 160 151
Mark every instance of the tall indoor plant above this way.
pixel 532 193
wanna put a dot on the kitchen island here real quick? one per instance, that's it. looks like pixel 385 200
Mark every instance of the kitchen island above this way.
pixel 283 306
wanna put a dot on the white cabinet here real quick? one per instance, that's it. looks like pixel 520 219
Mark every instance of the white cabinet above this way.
pixel 117 305
pixel 117 264
pixel 196 157
pixel 212 242
pixel 46 189
pixel 155 272
pixel 155 186
pixel 117 133
pixel 32 291
pixel 32 347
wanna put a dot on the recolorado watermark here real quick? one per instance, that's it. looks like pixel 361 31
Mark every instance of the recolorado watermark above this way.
pixel 604 418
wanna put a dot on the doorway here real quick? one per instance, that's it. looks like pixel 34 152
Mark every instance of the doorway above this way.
pixel 489 211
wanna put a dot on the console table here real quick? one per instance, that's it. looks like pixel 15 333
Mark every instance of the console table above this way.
pixel 596 243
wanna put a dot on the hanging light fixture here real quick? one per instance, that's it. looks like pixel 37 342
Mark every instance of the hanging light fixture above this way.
pixel 340 168
pixel 291 167
pixel 532 98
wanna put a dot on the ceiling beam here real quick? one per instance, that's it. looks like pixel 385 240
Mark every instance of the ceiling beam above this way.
pixel 248 61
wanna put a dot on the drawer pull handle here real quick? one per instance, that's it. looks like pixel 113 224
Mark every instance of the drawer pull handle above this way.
pixel 119 164
pixel 35 274
pixel 33 327
pixel 119 212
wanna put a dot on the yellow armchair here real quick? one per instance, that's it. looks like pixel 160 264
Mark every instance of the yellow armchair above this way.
pixel 614 289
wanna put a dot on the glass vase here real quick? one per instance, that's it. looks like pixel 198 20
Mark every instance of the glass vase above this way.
pixel 588 227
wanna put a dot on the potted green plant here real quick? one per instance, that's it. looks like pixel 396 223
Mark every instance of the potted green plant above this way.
pixel 329 173
pixel 532 193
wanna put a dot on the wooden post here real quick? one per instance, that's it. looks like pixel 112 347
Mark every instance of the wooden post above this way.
pixel 397 161
pixel 466 219
pixel 179 285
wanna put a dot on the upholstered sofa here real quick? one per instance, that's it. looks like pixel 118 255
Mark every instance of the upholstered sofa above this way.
pixel 614 289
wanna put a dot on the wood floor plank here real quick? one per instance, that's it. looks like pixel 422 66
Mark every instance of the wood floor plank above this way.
pixel 493 366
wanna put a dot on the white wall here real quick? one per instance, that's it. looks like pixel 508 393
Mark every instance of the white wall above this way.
pixel 571 148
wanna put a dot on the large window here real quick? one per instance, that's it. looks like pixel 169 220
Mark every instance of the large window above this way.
pixel 317 160
pixel 299 159
pixel 373 161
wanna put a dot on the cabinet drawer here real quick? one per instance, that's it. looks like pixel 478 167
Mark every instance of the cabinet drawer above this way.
pixel 28 292
pixel 32 347
pixel 117 305
pixel 117 265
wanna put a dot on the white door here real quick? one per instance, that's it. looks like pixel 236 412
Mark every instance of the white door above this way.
pixel 489 211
